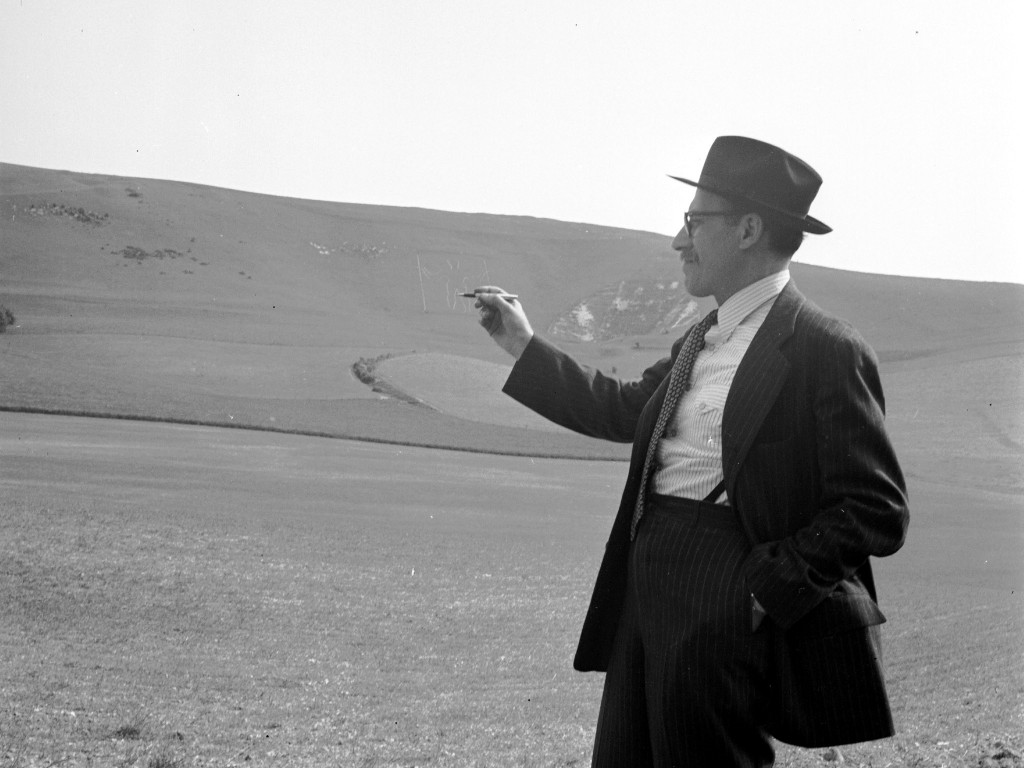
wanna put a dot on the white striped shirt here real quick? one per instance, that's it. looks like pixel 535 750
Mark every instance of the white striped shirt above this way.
pixel 690 453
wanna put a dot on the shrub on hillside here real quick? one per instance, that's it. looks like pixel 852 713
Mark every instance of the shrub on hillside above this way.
pixel 6 318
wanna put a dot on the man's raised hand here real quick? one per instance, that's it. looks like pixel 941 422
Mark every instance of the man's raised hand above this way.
pixel 504 319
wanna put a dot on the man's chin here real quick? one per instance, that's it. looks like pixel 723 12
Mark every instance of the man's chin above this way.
pixel 693 287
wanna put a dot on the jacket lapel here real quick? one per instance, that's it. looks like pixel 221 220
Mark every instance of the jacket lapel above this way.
pixel 759 379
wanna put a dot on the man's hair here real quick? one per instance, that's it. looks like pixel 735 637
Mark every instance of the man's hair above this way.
pixel 780 235
pixel 783 237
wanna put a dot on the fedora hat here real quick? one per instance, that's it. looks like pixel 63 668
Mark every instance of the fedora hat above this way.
pixel 769 178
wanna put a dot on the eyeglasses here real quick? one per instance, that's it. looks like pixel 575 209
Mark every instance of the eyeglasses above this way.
pixel 691 216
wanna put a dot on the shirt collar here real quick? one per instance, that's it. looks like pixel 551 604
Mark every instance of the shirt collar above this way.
pixel 741 304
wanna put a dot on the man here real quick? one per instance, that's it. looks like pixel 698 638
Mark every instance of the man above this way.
pixel 735 601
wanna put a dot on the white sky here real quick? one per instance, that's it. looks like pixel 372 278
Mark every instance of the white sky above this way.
pixel 571 110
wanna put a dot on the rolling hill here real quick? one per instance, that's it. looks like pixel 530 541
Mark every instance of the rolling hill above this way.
pixel 168 300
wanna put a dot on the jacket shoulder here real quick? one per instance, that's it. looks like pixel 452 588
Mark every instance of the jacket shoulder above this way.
pixel 822 330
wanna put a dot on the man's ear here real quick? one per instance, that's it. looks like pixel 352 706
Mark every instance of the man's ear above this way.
pixel 751 229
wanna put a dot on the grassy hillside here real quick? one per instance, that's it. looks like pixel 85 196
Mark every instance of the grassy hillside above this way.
pixel 185 594
pixel 171 300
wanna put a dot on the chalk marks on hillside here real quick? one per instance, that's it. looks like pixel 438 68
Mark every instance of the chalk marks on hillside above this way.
pixel 362 249
pixel 630 308
pixel 442 277
pixel 439 275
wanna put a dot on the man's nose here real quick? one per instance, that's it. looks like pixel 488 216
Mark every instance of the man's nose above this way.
pixel 682 240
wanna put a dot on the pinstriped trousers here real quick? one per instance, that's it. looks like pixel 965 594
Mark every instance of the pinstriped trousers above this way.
pixel 686 680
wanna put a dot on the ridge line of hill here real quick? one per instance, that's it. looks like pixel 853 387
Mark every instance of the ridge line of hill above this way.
pixel 433 445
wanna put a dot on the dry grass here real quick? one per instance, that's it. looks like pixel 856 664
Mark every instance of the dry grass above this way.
pixel 205 596
pixel 281 645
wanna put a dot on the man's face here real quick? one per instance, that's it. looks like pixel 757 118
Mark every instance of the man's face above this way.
pixel 709 250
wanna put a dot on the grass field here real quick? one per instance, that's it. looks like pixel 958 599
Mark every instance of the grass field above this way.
pixel 197 596
pixel 278 600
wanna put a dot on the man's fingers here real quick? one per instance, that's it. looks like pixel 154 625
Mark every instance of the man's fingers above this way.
pixel 502 316
pixel 492 292
pixel 494 309
pixel 491 304
pixel 490 318
pixel 490 299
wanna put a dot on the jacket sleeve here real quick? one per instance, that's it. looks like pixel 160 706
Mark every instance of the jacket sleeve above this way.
pixel 861 508
pixel 547 380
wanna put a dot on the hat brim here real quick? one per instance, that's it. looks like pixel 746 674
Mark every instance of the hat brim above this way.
pixel 807 223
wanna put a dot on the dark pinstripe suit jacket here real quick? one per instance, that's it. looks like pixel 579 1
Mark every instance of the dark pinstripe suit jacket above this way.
pixel 814 479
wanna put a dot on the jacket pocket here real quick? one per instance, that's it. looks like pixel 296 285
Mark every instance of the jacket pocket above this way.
pixel 848 607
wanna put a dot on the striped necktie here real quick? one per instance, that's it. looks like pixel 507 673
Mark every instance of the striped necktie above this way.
pixel 678 382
